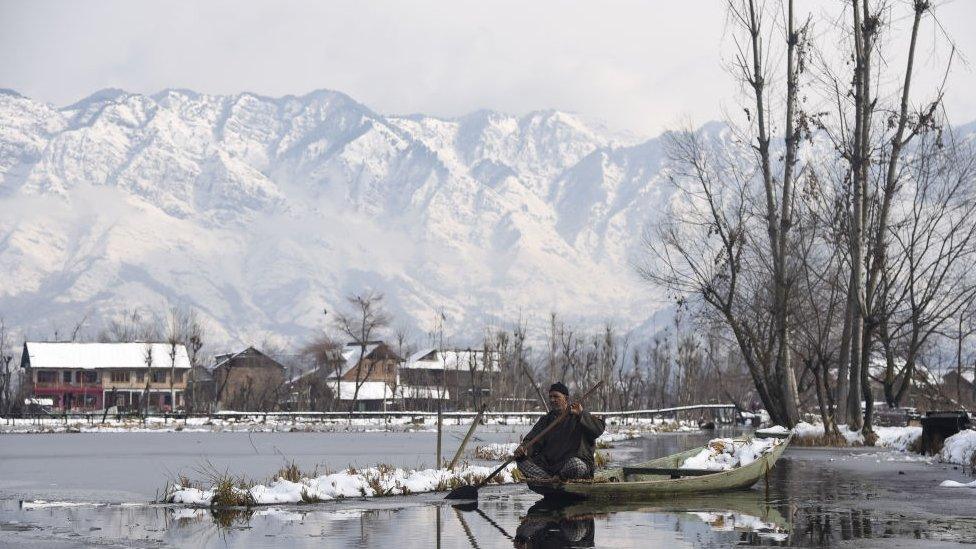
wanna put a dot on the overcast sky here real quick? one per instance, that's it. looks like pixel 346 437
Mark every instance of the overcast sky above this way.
pixel 640 65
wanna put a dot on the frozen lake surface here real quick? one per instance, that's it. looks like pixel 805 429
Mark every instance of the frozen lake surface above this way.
pixel 132 467
pixel 849 497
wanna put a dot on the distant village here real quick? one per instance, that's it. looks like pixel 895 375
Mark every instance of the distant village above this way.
pixel 171 376
pixel 159 377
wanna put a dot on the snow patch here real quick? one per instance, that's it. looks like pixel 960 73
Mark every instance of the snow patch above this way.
pixel 898 438
pixel 369 482
pixel 960 448
pixel 723 454
pixel 954 484
pixel 42 504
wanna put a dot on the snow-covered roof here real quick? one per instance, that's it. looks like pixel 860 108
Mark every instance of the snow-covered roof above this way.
pixel 369 390
pixel 350 353
pixel 91 356
pixel 350 356
pixel 877 365
pixel 423 392
pixel 450 359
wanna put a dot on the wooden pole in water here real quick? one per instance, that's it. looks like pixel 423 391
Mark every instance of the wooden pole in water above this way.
pixel 467 437
pixel 440 423
pixel 438 513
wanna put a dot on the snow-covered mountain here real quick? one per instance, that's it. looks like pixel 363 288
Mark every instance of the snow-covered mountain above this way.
pixel 261 212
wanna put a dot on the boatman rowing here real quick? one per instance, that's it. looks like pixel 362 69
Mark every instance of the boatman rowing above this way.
pixel 567 451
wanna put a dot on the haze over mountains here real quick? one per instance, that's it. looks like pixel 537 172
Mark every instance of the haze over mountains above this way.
pixel 261 212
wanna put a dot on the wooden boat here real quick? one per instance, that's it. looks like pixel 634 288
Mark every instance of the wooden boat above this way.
pixel 661 477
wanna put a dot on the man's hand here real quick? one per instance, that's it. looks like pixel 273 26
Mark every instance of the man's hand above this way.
pixel 520 452
pixel 576 408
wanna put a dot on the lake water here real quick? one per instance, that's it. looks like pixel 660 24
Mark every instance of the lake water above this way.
pixel 815 498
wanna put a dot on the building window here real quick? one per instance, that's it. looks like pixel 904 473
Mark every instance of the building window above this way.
pixel 159 376
pixel 66 377
pixel 178 377
pixel 120 376
pixel 86 377
pixel 46 376
pixel 140 376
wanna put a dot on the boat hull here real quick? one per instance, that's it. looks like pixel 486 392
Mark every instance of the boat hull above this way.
pixel 609 486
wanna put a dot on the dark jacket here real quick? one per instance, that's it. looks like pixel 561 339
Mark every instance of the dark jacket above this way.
pixel 574 437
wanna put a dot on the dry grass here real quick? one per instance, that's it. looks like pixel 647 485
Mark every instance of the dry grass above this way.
pixel 832 440
pixel 232 492
pixel 871 439
pixel 490 453
pixel 289 472
pixel 308 497
pixel 375 481
pixel 229 491
pixel 184 481
pixel 601 459
pixel 603 445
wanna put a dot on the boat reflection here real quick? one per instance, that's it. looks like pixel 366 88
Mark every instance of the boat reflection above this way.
pixel 744 515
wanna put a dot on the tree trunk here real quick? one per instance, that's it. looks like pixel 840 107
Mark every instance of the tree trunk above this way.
pixel 844 366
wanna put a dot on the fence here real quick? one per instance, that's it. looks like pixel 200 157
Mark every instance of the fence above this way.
pixel 722 412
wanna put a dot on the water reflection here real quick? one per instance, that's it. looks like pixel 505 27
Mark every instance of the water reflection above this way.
pixel 743 517
pixel 544 528
pixel 810 501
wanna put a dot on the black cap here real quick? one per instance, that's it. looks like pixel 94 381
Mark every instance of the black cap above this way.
pixel 558 386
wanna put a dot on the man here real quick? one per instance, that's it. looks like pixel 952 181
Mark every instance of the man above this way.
pixel 565 452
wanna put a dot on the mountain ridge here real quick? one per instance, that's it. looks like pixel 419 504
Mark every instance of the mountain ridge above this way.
pixel 261 212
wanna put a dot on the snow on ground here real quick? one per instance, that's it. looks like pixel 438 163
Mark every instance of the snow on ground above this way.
pixel 369 482
pixel 960 448
pixel 495 450
pixel 774 430
pixel 898 438
pixel 722 454
pixel 272 422
pixel 256 424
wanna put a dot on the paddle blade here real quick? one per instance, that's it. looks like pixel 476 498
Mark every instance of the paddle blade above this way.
pixel 463 492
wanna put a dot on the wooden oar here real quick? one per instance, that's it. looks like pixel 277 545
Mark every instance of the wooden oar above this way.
pixel 471 491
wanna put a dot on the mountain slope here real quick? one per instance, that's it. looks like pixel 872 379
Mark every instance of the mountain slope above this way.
pixel 264 211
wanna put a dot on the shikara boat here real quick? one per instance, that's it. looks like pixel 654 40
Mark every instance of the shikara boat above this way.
pixel 661 477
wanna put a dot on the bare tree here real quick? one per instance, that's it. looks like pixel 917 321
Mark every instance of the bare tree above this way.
pixel 361 323
pixel 132 325
pixel 148 360
pixel 929 280
pixel 730 242
pixel 6 380
pixel 325 353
